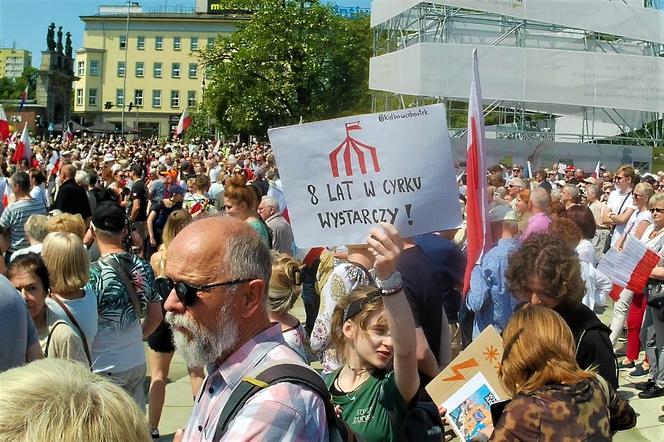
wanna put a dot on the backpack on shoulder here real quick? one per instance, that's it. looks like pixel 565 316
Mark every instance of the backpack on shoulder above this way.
pixel 276 373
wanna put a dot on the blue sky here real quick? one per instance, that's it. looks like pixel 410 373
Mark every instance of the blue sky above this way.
pixel 24 22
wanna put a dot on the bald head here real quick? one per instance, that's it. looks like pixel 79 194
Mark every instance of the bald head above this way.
pixel 68 172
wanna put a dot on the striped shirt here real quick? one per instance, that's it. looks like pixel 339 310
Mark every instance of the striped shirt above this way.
pixel 282 412
pixel 14 217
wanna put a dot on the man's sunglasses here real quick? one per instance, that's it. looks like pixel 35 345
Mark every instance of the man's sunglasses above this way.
pixel 187 293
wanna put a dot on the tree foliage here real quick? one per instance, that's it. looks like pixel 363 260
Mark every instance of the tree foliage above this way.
pixel 291 61
pixel 11 88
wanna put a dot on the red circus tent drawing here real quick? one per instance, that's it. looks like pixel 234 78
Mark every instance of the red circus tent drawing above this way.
pixel 349 147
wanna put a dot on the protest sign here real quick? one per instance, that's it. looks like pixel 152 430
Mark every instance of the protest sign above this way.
pixel 342 176
pixel 469 385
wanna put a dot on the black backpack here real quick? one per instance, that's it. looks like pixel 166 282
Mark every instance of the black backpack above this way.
pixel 275 373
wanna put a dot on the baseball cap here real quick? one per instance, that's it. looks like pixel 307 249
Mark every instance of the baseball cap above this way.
pixel 590 180
pixel 560 183
pixel 109 216
pixel 108 157
pixel 501 212
pixel 570 168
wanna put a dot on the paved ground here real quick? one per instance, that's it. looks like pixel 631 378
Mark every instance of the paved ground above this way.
pixel 179 401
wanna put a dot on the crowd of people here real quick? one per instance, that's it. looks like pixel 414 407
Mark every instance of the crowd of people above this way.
pixel 110 243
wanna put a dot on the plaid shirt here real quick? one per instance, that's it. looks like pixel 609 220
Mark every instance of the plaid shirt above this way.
pixel 283 412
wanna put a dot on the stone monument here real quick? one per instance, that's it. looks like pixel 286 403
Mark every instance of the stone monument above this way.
pixel 56 78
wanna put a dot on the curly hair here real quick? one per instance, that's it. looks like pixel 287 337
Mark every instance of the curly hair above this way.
pixel 553 262
pixel 556 209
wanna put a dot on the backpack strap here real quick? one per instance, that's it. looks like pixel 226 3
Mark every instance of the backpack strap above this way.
pixel 272 374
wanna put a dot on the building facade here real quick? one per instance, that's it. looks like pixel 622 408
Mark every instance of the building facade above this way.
pixel 13 62
pixel 145 63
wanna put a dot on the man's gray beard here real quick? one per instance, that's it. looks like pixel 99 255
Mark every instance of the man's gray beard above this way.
pixel 204 347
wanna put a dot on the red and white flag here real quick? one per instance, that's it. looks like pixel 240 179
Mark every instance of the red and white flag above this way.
pixel 184 123
pixel 596 172
pixel 631 267
pixel 4 124
pixel 6 193
pixel 478 232
pixel 69 135
pixel 23 147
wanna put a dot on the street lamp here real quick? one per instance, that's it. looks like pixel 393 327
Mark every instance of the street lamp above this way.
pixel 126 68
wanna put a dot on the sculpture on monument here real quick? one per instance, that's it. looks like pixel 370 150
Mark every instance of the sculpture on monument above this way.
pixel 68 48
pixel 50 37
pixel 59 44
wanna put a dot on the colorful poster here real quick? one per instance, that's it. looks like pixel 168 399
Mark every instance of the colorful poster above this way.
pixel 469 409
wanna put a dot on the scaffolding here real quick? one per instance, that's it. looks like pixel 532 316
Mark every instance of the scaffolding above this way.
pixel 427 23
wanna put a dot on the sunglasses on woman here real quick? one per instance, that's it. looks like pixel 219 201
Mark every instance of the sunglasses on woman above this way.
pixel 185 292
pixel 656 210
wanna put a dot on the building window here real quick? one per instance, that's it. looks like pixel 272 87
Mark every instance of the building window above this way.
pixel 210 42
pixel 177 43
pixel 156 70
pixel 140 42
pixel 175 70
pixel 94 67
pixel 194 43
pixel 92 97
pixel 191 98
pixel 159 43
pixel 193 70
pixel 175 98
pixel 79 97
pixel 121 69
pixel 138 97
pixel 140 69
pixel 156 98
pixel 119 97
pixel 123 42
pixel 80 71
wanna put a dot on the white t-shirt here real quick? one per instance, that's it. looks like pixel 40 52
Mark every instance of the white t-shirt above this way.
pixel 84 311
pixel 614 203
pixel 635 219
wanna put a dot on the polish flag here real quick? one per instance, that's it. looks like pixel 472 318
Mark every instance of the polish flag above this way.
pixel 4 124
pixel 23 147
pixel 629 268
pixel 184 123
pixel 477 226
pixel 69 135
pixel 596 172
pixel 24 98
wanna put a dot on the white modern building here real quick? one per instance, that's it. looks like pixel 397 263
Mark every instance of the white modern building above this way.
pixel 595 66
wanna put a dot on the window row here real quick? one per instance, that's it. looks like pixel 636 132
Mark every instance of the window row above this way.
pixel 138 98
pixel 158 69
pixel 176 43
pixel 93 66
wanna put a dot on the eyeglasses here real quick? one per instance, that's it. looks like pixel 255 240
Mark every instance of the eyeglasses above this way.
pixel 185 292
pixel 656 210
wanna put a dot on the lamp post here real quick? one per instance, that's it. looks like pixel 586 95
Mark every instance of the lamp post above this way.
pixel 126 68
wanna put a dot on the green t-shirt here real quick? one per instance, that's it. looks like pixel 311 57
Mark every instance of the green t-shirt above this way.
pixel 365 410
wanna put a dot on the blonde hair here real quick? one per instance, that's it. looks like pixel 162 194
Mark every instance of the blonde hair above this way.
pixel 175 222
pixel 61 401
pixel 538 350
pixel 285 283
pixel 36 227
pixel 67 222
pixel 369 305
pixel 67 262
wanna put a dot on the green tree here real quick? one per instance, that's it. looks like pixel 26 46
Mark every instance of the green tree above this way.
pixel 200 127
pixel 291 61
pixel 11 88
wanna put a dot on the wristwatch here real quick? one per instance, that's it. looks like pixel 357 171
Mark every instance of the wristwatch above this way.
pixel 390 285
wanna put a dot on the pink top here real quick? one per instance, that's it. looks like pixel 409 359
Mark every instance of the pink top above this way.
pixel 538 223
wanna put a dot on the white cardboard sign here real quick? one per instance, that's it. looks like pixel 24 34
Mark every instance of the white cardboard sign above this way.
pixel 342 176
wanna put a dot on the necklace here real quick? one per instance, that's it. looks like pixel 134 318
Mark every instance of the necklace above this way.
pixel 655 232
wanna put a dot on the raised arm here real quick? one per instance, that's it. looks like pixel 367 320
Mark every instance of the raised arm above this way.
pixel 386 245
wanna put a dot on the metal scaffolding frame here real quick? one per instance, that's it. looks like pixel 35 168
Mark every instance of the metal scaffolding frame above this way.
pixel 436 23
